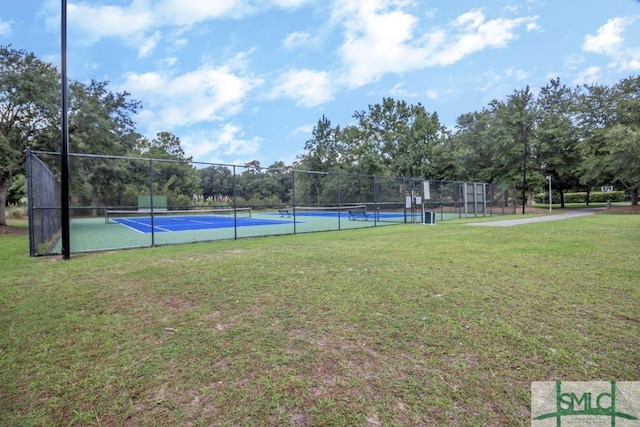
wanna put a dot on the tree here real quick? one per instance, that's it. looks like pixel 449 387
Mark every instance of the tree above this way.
pixel 416 152
pixel 623 148
pixel 609 122
pixel 471 148
pixel 622 158
pixel 100 122
pixel 165 145
pixel 557 140
pixel 495 144
pixel 596 112
pixel 216 181
pixel 29 112
pixel 323 154
pixel 173 175
pixel 323 150
pixel 520 122
pixel 393 138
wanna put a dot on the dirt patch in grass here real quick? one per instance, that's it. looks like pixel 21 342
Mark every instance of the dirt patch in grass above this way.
pixel 625 210
pixel 8 229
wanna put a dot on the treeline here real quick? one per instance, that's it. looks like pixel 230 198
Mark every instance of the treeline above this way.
pixel 581 137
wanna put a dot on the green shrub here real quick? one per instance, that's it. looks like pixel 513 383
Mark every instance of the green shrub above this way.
pixel 581 197
pixel 614 196
pixel 16 211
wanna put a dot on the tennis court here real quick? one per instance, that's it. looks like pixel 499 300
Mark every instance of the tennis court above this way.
pixel 143 203
pixel 135 228
pixel 188 220
pixel 176 221
pixel 132 228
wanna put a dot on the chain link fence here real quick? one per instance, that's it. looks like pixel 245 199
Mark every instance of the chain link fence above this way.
pixel 126 202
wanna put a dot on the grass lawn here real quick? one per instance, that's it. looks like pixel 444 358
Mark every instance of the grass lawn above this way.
pixel 402 325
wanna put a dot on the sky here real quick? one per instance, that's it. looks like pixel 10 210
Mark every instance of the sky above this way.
pixel 247 80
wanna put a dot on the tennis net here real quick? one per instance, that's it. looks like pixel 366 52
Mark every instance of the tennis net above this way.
pixel 344 210
pixel 117 216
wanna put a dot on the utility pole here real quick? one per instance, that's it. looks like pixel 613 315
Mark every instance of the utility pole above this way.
pixel 64 158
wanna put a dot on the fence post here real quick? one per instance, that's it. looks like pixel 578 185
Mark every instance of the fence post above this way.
pixel 153 232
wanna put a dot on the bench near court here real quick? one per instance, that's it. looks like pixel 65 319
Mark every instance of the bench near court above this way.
pixel 355 213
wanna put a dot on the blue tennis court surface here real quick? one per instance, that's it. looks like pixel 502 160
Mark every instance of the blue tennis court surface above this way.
pixel 167 224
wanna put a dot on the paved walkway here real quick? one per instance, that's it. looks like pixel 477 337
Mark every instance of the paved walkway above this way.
pixel 542 218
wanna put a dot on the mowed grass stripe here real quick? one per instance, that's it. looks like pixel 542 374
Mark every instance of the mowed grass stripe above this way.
pixel 401 325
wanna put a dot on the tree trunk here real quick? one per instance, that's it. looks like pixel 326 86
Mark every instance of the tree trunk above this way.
pixel 562 199
pixel 4 186
pixel 634 197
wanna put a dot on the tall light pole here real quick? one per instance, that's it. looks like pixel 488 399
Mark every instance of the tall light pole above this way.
pixel 550 196
pixel 64 158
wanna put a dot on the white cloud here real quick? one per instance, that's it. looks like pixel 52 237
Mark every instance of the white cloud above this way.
pixel 96 22
pixel 145 48
pixel 432 94
pixel 303 130
pixel 227 144
pixel 309 88
pixel 573 62
pixel 476 35
pixel 382 38
pixel 289 4
pixel 139 17
pixel 632 64
pixel 534 26
pixel 5 28
pixel 378 42
pixel 206 94
pixel 517 74
pixel 609 37
pixel 400 91
pixel 588 76
pixel 296 39
pixel 169 61
pixel 609 41
pixel 180 12
pixel 431 13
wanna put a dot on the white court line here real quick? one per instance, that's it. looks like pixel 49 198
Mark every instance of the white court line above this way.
pixel 142 224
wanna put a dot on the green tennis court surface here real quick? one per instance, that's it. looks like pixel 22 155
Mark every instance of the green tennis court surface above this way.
pixel 133 230
pixel 96 234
